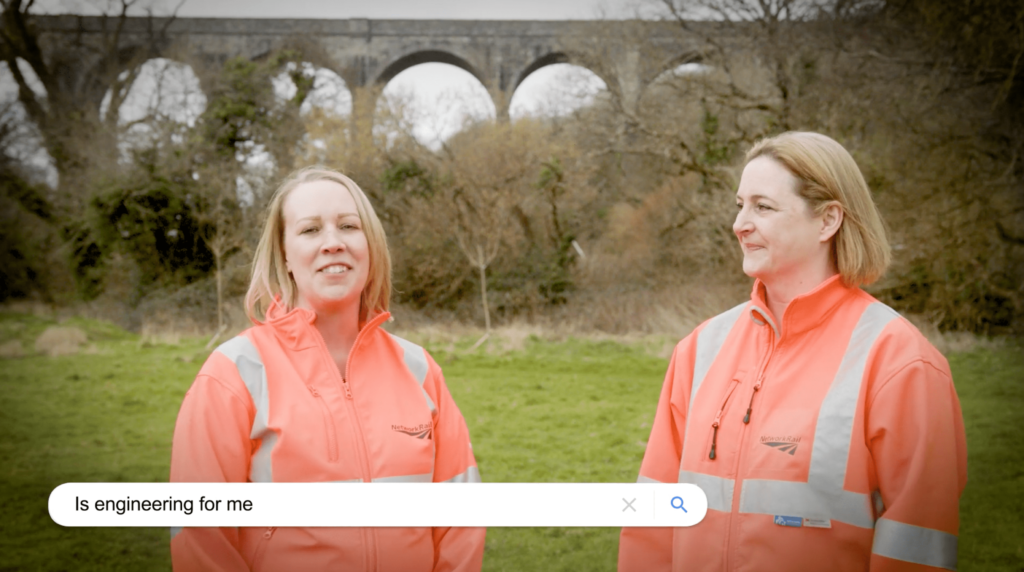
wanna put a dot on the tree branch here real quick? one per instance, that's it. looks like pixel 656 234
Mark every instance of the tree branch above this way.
pixel 1006 236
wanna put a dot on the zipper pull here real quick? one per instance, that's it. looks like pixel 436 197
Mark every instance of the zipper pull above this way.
pixel 348 391
pixel 313 390
pixel 750 406
pixel 714 436
pixel 269 532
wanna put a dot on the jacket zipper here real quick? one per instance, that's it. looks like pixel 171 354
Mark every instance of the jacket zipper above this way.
pixel 364 457
pixel 371 536
pixel 261 548
pixel 718 418
pixel 332 432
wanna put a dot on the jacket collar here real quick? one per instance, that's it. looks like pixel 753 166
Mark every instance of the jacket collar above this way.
pixel 805 311
pixel 294 326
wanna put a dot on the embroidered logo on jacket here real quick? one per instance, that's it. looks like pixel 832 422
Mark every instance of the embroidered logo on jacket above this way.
pixel 784 444
pixel 421 431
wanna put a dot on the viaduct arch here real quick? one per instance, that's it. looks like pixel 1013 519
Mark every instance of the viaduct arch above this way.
pixel 501 54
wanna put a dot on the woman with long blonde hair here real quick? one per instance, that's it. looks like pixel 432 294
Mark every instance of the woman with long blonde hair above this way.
pixel 317 391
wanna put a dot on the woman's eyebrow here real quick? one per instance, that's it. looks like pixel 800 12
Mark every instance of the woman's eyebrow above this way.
pixel 318 218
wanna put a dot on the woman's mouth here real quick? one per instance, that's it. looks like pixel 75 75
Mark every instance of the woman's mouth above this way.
pixel 335 269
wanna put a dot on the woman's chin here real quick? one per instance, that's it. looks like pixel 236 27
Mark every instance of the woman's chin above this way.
pixel 333 302
pixel 753 269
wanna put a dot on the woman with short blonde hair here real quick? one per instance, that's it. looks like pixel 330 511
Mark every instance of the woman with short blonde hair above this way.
pixel 823 428
pixel 827 174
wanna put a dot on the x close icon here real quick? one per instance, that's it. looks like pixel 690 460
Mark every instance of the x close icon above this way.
pixel 629 505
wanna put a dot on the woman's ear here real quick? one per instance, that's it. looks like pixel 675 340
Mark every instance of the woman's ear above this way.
pixel 831 220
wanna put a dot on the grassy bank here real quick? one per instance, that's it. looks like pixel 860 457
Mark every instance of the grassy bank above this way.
pixel 570 411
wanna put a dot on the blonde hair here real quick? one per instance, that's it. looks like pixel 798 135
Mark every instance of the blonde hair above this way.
pixel 270 276
pixel 827 175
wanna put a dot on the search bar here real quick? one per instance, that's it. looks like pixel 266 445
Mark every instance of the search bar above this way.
pixel 377 504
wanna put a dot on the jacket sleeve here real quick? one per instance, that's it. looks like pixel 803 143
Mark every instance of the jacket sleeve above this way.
pixel 917 441
pixel 650 549
pixel 455 549
pixel 211 444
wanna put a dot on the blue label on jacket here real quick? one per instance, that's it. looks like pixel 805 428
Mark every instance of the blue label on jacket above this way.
pixel 788 520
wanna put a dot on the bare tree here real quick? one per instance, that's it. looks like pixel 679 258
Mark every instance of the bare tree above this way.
pixel 69 109
pixel 478 230
pixel 221 220
pixel 492 172
pixel 777 31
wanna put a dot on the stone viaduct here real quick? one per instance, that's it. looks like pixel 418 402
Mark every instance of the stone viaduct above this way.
pixel 627 55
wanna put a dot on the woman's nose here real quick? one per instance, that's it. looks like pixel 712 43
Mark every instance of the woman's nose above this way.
pixel 742 224
pixel 333 241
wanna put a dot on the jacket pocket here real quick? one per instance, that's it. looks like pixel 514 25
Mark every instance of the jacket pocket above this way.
pixel 712 448
pixel 329 428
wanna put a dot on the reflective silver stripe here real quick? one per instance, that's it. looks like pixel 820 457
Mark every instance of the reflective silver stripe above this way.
pixel 835 418
pixel 822 496
pixel 416 360
pixel 762 496
pixel 348 481
pixel 175 531
pixel 765 318
pixel 709 342
pixel 425 478
pixel 250 368
pixel 647 480
pixel 916 544
pixel 718 490
pixel 470 475
pixel 261 470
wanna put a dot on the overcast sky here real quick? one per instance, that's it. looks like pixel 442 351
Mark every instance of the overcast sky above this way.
pixel 378 9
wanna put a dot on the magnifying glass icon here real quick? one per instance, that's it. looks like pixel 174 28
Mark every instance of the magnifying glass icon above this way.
pixel 680 505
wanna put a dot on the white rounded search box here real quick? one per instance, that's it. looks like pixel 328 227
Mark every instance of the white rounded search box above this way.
pixel 377 504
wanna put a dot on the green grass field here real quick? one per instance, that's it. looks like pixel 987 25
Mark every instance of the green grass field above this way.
pixel 570 411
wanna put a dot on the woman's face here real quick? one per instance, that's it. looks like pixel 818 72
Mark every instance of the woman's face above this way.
pixel 780 236
pixel 325 248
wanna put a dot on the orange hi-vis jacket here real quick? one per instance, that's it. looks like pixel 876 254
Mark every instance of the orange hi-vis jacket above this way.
pixel 271 406
pixel 832 440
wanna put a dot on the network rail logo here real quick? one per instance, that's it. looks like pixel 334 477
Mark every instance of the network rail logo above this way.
pixel 784 444
pixel 421 431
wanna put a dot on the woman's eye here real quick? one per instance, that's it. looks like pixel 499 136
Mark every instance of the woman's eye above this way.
pixel 763 207
pixel 739 206
pixel 309 230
